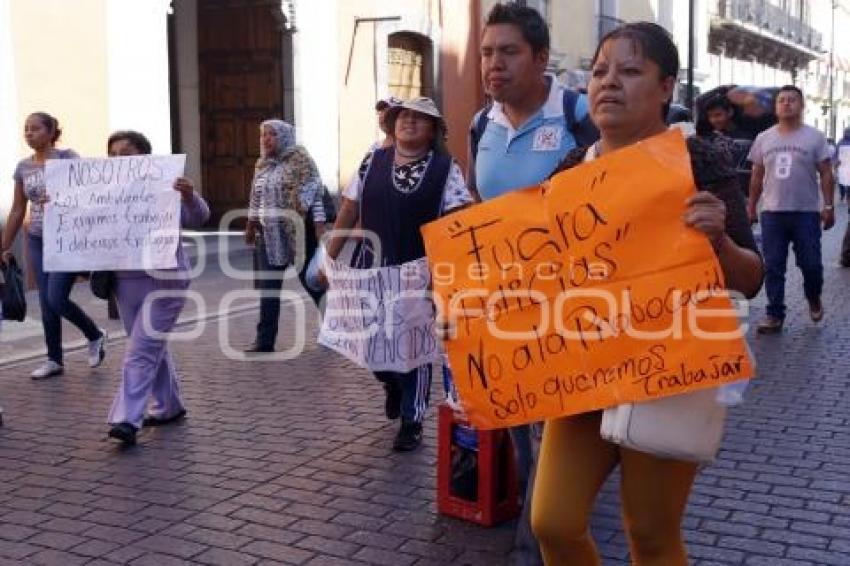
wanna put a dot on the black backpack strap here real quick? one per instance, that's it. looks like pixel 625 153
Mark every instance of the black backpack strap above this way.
pixel 583 130
pixel 570 103
pixel 479 124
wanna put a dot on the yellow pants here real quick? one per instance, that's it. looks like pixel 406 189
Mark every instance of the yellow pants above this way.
pixel 574 463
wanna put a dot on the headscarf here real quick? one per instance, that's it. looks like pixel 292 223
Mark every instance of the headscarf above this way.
pixel 271 190
pixel 285 134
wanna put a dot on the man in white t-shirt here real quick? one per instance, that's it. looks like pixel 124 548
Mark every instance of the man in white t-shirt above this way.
pixel 787 161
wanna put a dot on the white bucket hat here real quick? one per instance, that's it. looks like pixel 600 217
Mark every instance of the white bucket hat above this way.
pixel 423 105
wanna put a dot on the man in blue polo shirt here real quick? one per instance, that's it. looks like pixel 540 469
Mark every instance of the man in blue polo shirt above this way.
pixel 533 121
pixel 516 142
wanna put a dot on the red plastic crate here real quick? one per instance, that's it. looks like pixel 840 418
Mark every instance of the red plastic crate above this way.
pixel 497 499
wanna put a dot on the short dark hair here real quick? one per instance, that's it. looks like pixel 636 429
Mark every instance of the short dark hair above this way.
pixel 138 139
pixel 718 102
pixel 791 88
pixel 655 43
pixel 529 21
pixel 51 123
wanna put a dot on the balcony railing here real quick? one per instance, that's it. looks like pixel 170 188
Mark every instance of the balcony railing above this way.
pixel 771 18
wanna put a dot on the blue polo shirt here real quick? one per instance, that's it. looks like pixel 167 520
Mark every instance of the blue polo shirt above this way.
pixel 510 159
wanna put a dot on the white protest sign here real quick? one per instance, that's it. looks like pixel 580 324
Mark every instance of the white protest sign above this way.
pixel 112 213
pixel 844 165
pixel 382 319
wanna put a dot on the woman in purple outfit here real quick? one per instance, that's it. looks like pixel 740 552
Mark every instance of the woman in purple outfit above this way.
pixel 148 370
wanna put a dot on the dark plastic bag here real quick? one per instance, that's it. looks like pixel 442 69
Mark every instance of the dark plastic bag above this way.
pixel 329 203
pixel 14 291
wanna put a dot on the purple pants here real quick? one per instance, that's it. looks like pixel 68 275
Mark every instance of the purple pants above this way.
pixel 149 370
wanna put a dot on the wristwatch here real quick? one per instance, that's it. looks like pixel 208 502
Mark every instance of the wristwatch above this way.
pixel 828 207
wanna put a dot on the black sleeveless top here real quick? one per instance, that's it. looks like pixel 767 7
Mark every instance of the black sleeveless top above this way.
pixel 395 214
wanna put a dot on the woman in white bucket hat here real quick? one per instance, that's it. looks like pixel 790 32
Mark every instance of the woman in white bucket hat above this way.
pixel 398 189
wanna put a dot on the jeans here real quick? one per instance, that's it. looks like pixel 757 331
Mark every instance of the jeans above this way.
pixel 269 302
pixel 803 231
pixel 54 290
pixel 845 245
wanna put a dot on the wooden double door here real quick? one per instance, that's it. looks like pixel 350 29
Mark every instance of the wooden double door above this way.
pixel 240 52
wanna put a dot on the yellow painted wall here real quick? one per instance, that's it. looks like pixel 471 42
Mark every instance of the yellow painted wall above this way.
pixel 60 56
pixel 358 129
pixel 357 96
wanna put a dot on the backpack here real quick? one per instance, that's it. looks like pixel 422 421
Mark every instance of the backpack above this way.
pixel 584 132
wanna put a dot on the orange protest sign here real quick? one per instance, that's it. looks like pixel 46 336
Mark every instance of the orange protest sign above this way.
pixel 585 293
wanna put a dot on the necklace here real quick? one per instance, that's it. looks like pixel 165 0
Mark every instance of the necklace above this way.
pixel 410 155
pixel 407 178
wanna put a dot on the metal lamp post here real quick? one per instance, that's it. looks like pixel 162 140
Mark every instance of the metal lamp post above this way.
pixel 689 95
pixel 832 73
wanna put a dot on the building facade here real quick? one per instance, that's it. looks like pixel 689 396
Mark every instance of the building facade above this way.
pixel 96 65
pixel 745 42
pixel 198 76
pixel 826 81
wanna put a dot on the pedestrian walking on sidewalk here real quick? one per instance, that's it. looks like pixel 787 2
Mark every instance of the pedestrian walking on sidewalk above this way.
pixel 42 132
pixel 397 190
pixel 514 143
pixel 844 190
pixel 148 371
pixel 787 160
pixel 633 78
pixel 285 187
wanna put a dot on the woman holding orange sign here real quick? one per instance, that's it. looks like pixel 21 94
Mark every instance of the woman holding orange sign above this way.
pixel 632 82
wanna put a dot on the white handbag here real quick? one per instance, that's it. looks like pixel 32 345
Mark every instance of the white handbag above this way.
pixel 682 427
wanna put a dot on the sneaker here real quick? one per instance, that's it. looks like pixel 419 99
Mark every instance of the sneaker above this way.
pixel 816 310
pixel 769 325
pixel 151 420
pixel 409 437
pixel 47 369
pixel 97 350
pixel 125 432
pixel 392 405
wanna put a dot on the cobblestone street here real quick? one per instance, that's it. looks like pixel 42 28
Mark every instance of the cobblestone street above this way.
pixel 290 463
